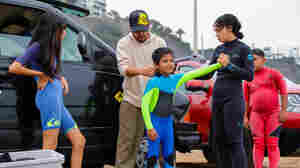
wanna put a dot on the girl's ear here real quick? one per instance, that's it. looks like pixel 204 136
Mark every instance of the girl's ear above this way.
pixel 265 59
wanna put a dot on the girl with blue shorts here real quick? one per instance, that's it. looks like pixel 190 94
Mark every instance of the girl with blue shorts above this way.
pixel 43 55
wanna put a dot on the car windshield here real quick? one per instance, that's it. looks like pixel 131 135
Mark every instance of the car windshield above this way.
pixel 185 69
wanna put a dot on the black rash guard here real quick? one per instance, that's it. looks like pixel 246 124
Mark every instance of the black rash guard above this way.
pixel 228 104
pixel 229 79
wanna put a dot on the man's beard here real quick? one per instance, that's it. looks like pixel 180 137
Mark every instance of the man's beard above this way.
pixel 141 40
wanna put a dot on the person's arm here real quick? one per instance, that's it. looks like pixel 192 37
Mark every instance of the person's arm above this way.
pixel 284 103
pixel 282 87
pixel 198 73
pixel 146 71
pixel 149 101
pixel 213 60
pixel 123 63
pixel 247 96
pixel 246 72
pixel 17 67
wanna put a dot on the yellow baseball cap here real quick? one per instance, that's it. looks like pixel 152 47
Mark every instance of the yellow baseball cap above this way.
pixel 139 21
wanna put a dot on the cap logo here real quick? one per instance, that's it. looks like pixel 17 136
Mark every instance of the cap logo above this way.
pixel 143 19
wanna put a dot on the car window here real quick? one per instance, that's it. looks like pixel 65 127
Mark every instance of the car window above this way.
pixel 16 26
pixel 185 69
pixel 70 51
pixel 13 45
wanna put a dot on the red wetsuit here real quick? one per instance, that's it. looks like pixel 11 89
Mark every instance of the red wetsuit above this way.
pixel 262 95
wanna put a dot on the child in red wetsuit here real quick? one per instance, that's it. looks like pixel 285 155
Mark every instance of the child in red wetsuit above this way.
pixel 263 107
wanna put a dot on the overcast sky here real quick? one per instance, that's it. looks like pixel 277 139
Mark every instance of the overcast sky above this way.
pixel 265 22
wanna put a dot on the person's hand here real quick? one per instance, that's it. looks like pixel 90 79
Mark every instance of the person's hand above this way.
pixel 148 71
pixel 223 59
pixel 43 81
pixel 65 85
pixel 152 134
pixel 282 116
pixel 246 122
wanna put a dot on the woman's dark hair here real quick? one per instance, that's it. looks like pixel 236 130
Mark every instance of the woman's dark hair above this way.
pixel 258 52
pixel 159 53
pixel 229 20
pixel 48 34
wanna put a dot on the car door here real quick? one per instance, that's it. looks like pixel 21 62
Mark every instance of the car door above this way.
pixel 107 86
pixel 107 91
pixel 18 114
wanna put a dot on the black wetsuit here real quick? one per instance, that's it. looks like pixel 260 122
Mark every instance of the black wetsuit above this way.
pixel 228 104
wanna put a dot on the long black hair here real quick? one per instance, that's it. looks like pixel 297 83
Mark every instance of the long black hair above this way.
pixel 229 20
pixel 48 34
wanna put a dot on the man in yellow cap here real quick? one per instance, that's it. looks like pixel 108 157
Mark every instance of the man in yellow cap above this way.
pixel 134 54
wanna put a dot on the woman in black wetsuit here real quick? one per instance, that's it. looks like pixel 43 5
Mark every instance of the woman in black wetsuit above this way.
pixel 228 104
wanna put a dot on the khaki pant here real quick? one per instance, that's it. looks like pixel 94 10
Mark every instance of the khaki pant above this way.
pixel 130 133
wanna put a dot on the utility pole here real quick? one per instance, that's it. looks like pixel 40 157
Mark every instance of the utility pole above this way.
pixel 202 44
pixel 195 27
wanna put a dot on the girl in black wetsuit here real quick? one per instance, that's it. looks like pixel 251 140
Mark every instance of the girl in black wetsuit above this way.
pixel 228 104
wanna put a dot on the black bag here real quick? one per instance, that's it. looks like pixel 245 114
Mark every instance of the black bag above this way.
pixel 181 104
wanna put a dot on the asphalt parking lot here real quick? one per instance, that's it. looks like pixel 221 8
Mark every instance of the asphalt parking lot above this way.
pixel 195 159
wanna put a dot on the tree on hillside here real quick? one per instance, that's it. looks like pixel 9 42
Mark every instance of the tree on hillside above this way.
pixel 115 15
pixel 180 32
pixel 167 31
pixel 111 31
pixel 155 24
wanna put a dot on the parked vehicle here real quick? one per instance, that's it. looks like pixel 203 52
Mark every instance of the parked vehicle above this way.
pixel 88 64
pixel 200 94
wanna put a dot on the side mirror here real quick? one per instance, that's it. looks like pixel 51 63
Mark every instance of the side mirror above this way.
pixel 197 85
pixel 82 43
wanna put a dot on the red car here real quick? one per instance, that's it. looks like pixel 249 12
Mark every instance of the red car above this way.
pixel 200 92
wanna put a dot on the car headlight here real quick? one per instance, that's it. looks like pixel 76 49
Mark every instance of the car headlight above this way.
pixel 293 103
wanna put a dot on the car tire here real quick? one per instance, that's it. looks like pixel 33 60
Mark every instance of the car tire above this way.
pixel 141 158
pixel 288 141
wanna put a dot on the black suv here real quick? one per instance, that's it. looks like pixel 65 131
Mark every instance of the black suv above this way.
pixel 88 64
